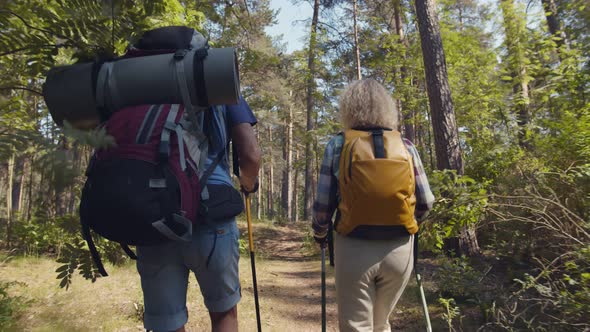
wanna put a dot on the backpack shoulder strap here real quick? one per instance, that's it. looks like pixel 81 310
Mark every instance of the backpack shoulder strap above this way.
pixel 92 248
pixel 378 144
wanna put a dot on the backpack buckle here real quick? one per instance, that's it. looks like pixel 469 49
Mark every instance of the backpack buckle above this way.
pixel 201 53
pixel 164 151
pixel 378 132
pixel 179 54
pixel 203 209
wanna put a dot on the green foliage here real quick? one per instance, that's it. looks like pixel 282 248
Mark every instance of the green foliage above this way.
pixel 461 201
pixel 574 286
pixel 46 236
pixel 243 245
pixel 554 298
pixel 76 256
pixel 451 311
pixel 10 306
pixel 96 138
pixel 459 280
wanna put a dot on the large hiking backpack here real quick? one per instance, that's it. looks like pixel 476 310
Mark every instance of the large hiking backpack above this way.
pixel 146 189
pixel 377 184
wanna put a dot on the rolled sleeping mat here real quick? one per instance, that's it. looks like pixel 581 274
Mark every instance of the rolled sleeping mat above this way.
pixel 85 96
pixel 69 94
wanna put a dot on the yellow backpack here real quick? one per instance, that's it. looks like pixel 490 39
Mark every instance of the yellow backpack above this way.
pixel 377 184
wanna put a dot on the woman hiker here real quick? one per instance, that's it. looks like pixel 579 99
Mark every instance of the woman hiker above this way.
pixel 374 179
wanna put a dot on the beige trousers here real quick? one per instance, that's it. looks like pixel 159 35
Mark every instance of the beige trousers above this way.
pixel 370 278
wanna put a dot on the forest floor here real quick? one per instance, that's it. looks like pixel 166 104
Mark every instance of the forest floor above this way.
pixel 288 272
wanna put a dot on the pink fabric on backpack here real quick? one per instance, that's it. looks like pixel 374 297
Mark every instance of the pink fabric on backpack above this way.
pixel 124 126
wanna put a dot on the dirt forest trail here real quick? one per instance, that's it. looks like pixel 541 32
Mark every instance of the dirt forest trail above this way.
pixel 289 284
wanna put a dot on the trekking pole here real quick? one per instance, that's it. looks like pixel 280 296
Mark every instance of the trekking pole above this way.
pixel 420 288
pixel 252 263
pixel 236 167
pixel 323 246
pixel 331 243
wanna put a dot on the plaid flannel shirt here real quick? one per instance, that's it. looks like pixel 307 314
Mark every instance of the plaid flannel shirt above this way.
pixel 327 197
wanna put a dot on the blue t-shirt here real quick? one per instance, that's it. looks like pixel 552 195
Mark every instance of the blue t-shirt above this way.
pixel 219 130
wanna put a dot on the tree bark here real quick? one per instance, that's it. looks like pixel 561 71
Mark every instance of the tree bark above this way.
pixel 29 199
pixel 296 189
pixel 514 27
pixel 406 116
pixel 357 51
pixel 446 135
pixel 288 171
pixel 261 184
pixel 9 199
pixel 259 198
pixel 270 195
pixel 17 187
pixel 310 106
pixel 76 164
pixel 553 23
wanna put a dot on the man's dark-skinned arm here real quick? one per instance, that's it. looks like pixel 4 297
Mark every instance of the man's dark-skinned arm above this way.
pixel 249 154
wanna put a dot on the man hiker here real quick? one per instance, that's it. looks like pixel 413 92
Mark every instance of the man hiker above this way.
pixel 213 253
pixel 375 181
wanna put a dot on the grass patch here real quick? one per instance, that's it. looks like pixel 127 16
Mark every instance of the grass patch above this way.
pixel 11 306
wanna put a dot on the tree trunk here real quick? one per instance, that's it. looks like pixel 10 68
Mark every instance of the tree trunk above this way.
pixel 296 189
pixel 77 161
pixel 407 116
pixel 357 51
pixel 261 183
pixel 446 135
pixel 553 23
pixel 30 184
pixel 9 199
pixel 288 171
pixel 270 194
pixel 17 187
pixel 514 27
pixel 310 106
pixel 259 198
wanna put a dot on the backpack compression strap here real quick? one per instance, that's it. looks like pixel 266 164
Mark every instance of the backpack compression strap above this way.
pixel 195 116
pixel 163 225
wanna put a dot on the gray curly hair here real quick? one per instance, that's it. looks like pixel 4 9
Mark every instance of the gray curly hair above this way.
pixel 366 103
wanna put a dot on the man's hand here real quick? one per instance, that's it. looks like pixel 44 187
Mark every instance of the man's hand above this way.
pixel 248 185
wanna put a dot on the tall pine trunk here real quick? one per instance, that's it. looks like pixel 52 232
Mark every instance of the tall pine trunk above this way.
pixel 261 183
pixel 30 184
pixel 446 135
pixel 17 187
pixel 259 198
pixel 357 52
pixel 307 198
pixel 515 28
pixel 296 189
pixel 9 199
pixel 287 192
pixel 406 115
pixel 270 195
